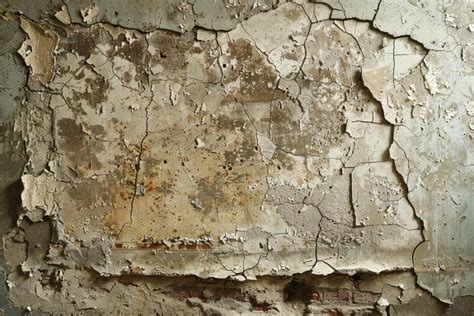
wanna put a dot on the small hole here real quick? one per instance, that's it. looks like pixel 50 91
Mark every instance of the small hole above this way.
pixel 165 161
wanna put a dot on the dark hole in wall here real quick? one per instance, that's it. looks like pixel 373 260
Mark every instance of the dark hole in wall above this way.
pixel 297 291
pixel 13 199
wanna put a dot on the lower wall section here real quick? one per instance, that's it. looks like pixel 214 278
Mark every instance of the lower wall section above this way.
pixel 82 292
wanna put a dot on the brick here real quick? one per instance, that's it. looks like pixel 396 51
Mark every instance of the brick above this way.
pixel 365 297
pixel 337 296
pixel 316 297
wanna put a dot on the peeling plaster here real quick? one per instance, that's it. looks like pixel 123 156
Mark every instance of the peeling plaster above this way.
pixel 247 142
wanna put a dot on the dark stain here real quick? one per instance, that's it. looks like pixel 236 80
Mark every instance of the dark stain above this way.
pixel 87 193
pixel 210 193
pixel 135 52
pixel 172 50
pixel 297 291
pixel 79 41
pixel 164 188
pixel 246 151
pixel 290 55
pixel 225 122
pixel 79 147
pixel 99 87
pixel 127 77
pixel 257 78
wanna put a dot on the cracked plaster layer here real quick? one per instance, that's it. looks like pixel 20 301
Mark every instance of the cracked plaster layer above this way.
pixel 243 141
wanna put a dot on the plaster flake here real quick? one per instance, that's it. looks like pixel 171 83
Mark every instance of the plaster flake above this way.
pixel 90 13
pixel 37 51
pixel 347 9
pixel 63 15
pixel 367 150
pixel 426 26
pixel 246 141
pixel 378 197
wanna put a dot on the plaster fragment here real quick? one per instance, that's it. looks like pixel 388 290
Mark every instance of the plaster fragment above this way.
pixel 383 302
pixel 199 143
pixel 284 46
pixel 347 9
pixel 366 149
pixel 267 148
pixel 322 11
pixel 38 196
pixel 379 198
pixel 63 15
pixel 468 55
pixel 37 50
pixel 205 35
pixel 90 13
pixel 426 26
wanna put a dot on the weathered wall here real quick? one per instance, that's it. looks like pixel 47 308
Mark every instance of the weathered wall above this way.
pixel 206 157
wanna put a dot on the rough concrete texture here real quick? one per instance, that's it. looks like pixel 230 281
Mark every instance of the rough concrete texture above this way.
pixel 237 157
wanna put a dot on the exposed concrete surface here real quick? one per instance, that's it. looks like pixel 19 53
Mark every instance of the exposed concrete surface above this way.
pixel 237 157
